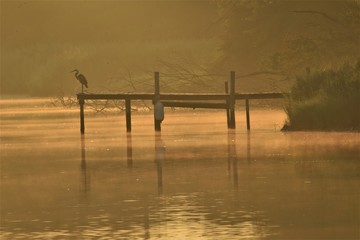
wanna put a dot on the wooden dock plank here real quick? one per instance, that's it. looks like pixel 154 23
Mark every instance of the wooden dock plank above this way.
pixel 195 105
pixel 177 96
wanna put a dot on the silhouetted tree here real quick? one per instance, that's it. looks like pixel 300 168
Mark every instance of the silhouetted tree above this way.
pixel 288 36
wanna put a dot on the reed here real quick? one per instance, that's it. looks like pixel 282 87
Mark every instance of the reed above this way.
pixel 327 100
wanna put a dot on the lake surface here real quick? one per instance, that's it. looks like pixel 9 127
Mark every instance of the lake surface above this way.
pixel 195 180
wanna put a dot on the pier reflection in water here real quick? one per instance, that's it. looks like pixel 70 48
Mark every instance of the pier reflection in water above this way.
pixel 191 198
pixel 176 213
pixel 201 182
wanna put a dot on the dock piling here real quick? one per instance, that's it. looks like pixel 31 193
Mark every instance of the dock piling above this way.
pixel 82 118
pixel 227 104
pixel 232 124
pixel 128 114
pixel 247 106
pixel 157 122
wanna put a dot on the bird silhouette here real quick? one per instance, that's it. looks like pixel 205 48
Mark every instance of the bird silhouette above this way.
pixel 82 79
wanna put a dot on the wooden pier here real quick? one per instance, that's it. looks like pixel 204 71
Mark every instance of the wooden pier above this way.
pixel 226 100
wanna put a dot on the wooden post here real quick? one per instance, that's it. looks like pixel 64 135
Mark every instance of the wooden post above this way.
pixel 82 121
pixel 247 112
pixel 232 124
pixel 128 114
pixel 157 123
pixel 227 104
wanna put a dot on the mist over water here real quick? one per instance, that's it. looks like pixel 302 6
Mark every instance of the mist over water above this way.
pixel 195 180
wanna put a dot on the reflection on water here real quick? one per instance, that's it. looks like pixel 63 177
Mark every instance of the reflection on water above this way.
pixel 248 144
pixel 85 175
pixel 232 156
pixel 129 150
pixel 159 159
pixel 191 181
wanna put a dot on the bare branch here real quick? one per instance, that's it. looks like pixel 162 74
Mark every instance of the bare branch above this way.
pixel 260 73
pixel 321 14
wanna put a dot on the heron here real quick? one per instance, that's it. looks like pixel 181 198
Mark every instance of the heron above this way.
pixel 82 79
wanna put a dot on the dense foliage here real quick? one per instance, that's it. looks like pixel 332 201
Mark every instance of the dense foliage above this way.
pixel 326 100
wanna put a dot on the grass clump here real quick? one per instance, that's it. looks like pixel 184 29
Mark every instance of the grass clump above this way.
pixel 327 100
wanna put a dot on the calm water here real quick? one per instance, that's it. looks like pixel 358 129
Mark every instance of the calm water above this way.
pixel 196 180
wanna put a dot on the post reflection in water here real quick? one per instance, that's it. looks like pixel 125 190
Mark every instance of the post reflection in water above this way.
pixel 232 157
pixel 146 223
pixel 129 151
pixel 248 149
pixel 159 159
pixel 85 176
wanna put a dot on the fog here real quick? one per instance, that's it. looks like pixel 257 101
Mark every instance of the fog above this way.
pixel 197 178
pixel 78 22
pixel 42 41
pixel 119 44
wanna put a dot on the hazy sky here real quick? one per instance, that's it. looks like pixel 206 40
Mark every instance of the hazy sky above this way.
pixel 30 22
pixel 41 41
